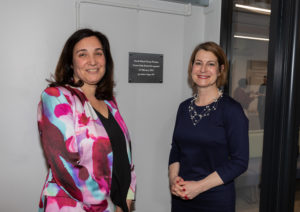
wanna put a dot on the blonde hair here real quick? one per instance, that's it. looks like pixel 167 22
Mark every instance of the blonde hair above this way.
pixel 222 61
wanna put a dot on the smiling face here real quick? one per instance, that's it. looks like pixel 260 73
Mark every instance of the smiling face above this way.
pixel 205 69
pixel 88 61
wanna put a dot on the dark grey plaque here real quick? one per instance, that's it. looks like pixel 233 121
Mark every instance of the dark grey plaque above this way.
pixel 145 68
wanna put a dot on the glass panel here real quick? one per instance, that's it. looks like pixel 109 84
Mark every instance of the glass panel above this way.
pixel 297 194
pixel 247 84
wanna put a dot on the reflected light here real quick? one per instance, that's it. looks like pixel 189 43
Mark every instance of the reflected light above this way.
pixel 251 38
pixel 255 9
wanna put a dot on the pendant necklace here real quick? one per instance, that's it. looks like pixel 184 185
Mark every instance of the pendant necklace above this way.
pixel 195 116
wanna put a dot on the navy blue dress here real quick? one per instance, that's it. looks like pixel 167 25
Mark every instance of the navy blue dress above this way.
pixel 219 142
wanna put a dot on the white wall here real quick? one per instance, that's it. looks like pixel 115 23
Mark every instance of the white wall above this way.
pixel 32 35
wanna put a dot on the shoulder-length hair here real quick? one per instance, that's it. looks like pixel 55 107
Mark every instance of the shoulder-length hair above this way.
pixel 64 71
pixel 222 60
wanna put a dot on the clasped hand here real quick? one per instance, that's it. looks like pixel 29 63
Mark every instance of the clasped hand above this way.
pixel 185 189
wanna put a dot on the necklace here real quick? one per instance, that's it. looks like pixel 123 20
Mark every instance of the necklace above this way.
pixel 195 116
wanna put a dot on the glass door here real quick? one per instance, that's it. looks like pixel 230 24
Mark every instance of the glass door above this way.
pixel 297 192
pixel 263 69
pixel 247 85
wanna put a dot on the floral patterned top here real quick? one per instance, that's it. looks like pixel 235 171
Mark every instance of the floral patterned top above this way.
pixel 78 152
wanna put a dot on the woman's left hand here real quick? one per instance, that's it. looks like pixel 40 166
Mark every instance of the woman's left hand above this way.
pixel 118 209
pixel 129 204
pixel 191 188
pixel 194 188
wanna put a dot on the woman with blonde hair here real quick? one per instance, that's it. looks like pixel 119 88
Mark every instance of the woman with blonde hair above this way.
pixel 210 146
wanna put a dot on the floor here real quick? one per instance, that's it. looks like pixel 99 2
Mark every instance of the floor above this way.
pixel 250 203
pixel 247 200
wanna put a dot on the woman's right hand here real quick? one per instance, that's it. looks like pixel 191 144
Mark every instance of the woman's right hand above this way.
pixel 175 186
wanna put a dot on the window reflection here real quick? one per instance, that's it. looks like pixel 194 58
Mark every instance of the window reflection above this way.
pixel 297 194
pixel 247 84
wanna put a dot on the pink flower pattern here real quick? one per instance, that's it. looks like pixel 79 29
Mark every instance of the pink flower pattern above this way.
pixel 78 152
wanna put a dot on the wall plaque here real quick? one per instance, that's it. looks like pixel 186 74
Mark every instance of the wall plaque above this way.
pixel 145 68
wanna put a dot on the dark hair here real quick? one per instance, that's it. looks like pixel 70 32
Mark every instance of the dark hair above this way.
pixel 64 71
pixel 222 60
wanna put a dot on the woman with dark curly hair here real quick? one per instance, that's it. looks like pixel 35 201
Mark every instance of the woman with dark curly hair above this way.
pixel 84 138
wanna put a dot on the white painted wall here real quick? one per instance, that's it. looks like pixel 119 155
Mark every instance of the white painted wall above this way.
pixel 33 33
